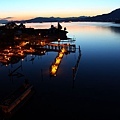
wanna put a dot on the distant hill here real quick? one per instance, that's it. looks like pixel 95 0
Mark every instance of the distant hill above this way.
pixel 2 21
pixel 5 20
pixel 54 19
pixel 110 17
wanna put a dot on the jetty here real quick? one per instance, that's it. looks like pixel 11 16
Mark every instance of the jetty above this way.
pixel 56 47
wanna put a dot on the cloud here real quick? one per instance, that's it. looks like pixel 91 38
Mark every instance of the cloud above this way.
pixel 7 18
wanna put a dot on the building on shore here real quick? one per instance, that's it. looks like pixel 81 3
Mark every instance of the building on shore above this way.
pixel 12 32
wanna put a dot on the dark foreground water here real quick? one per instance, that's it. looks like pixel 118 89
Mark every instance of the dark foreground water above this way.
pixel 95 93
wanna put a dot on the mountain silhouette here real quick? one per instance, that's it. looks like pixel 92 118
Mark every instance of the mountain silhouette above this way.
pixel 54 19
pixel 113 16
pixel 110 17
pixel 2 21
pixel 5 20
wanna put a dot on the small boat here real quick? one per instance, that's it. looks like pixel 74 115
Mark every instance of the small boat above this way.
pixel 15 100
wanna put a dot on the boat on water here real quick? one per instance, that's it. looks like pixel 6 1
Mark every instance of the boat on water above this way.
pixel 10 104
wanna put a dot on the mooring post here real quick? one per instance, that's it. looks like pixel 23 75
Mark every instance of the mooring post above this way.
pixel 42 74
pixel 79 48
pixel 73 72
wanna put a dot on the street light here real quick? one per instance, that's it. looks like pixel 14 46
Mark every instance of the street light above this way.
pixel 58 40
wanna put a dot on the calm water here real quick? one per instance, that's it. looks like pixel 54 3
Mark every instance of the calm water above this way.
pixel 95 93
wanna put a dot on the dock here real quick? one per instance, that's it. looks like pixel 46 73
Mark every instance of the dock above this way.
pixel 56 47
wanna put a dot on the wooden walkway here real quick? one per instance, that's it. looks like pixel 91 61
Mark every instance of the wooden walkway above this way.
pixel 53 46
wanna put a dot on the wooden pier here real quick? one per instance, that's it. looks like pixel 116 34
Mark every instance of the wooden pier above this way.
pixel 68 47
pixel 56 47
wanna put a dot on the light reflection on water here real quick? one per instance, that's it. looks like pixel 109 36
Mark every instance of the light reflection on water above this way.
pixel 96 87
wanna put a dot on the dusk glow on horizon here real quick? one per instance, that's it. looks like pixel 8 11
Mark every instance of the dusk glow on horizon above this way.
pixel 27 9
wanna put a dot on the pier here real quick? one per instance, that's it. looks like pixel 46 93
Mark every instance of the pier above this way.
pixel 56 47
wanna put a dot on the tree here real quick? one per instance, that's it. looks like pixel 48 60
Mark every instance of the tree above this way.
pixel 59 26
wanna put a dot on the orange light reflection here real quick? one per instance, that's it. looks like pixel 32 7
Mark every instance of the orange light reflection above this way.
pixel 57 62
